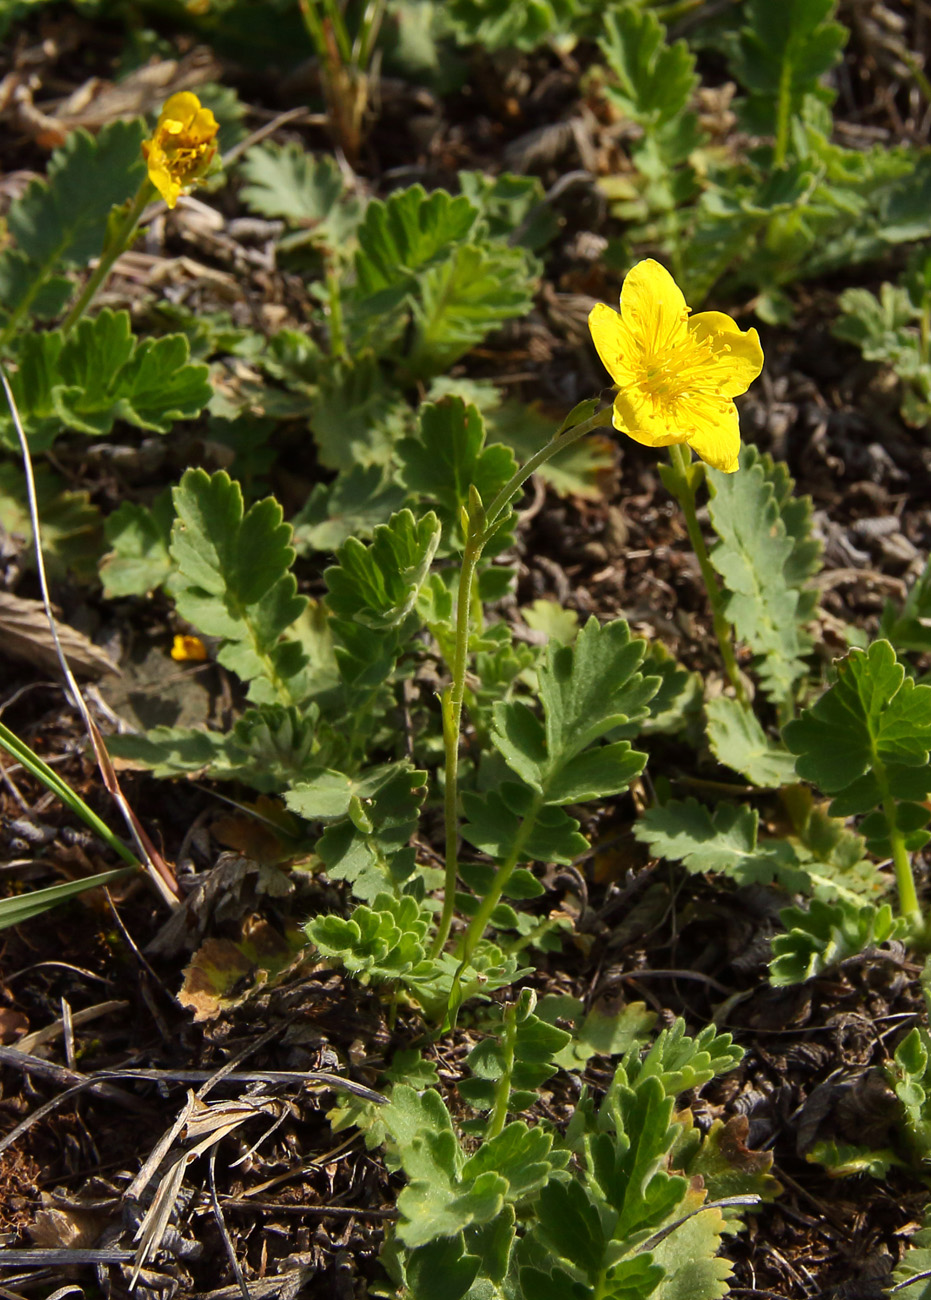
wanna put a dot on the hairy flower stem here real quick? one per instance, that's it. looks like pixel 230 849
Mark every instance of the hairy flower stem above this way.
pixel 901 864
pixel 682 485
pixel 499 1114
pixel 479 922
pixel 482 525
pixel 115 243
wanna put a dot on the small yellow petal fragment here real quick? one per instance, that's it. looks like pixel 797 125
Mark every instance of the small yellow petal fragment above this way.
pixel 188 649
pixel 676 374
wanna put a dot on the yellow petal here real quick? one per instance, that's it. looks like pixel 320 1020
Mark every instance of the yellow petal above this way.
pixel 714 432
pixel 643 421
pixel 606 328
pixel 736 355
pixel 182 107
pixel 652 307
pixel 160 175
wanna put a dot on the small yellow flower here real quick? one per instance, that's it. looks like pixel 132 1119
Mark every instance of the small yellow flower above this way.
pixel 676 374
pixel 182 145
pixel 188 649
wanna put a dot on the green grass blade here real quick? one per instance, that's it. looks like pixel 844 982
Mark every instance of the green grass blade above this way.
pixel 14 911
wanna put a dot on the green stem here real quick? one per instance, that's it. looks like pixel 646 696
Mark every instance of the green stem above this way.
pixel 114 245
pixel 499 1114
pixel 683 488
pixel 481 526
pixel 556 444
pixel 452 723
pixel 479 921
pixel 904 877
pixel 335 304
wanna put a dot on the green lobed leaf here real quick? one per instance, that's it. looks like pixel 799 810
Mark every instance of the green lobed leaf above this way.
pixel 405 234
pixel 70 524
pixel 353 505
pixel 725 840
pixel 234 581
pixel 269 748
pixel 61 221
pixel 679 1061
pixel 754 558
pixel 872 714
pixel 587 690
pixel 826 934
pixel 21 287
pixel 447 455
pixel 739 741
pixel 100 374
pixel 655 81
pixel 285 181
pixel 461 299
pixel 377 585
pixel 139 561
pixel 370 847
pixel 494 821
pixel 783 51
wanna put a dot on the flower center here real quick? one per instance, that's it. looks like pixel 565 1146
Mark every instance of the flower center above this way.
pixel 673 373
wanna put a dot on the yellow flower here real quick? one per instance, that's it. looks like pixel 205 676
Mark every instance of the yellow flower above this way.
pixel 676 374
pixel 182 145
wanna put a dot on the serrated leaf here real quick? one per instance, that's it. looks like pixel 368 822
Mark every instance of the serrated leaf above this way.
pixel 471 292
pixel 376 856
pixel 100 374
pixel 447 455
pixel 22 287
pixel 725 841
pixel 234 581
pixel 783 52
pixel 826 934
pixel 872 713
pixel 689 1257
pixel 587 690
pixel 70 524
pixel 377 585
pixel 494 821
pixel 679 1061
pixel 441 1270
pixel 352 506
pixel 738 741
pixel 752 558
pixel 655 80
pixel 139 561
pixel 285 181
pixel 62 220
pixel 404 234
pixel 269 748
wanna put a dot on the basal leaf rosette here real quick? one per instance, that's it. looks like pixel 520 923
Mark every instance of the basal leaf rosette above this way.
pixel 677 374
pixel 182 145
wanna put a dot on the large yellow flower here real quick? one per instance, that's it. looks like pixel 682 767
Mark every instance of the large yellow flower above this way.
pixel 182 145
pixel 676 374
